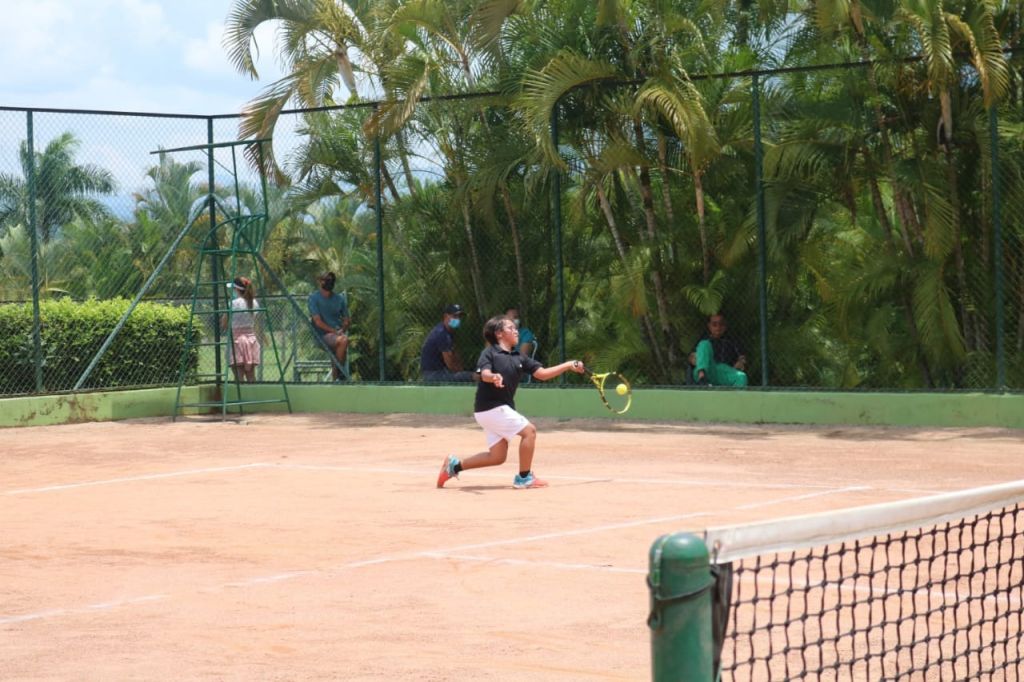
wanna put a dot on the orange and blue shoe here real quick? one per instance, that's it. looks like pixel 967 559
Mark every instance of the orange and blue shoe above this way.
pixel 447 470
pixel 528 481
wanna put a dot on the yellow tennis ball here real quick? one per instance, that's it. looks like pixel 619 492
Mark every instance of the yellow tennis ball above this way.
pixel 621 389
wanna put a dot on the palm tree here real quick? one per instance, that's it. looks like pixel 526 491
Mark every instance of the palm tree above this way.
pixel 64 190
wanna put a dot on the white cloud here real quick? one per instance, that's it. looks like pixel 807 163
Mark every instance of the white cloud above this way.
pixel 139 55
pixel 33 42
pixel 208 55
pixel 148 24
pixel 110 92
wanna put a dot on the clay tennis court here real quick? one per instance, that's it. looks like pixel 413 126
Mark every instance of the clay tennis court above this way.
pixel 316 547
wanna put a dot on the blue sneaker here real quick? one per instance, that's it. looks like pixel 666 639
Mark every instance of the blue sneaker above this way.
pixel 528 481
pixel 447 470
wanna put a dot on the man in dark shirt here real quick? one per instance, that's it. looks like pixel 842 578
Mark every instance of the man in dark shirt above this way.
pixel 718 359
pixel 439 358
pixel 500 368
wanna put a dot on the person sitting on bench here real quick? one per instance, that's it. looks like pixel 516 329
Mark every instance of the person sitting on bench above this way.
pixel 329 314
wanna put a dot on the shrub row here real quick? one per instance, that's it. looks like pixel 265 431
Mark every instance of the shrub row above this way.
pixel 146 352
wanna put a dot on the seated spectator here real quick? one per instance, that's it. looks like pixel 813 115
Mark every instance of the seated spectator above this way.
pixel 439 358
pixel 718 359
pixel 527 341
pixel 328 312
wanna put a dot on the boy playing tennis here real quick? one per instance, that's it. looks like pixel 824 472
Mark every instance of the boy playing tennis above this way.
pixel 500 368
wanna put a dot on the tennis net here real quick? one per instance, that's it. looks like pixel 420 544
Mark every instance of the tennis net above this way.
pixel 926 589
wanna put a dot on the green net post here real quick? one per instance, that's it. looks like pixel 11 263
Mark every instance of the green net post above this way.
pixel 680 581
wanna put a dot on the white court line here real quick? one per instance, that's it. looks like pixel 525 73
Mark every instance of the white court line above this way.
pixel 133 479
pixel 555 477
pixel 835 491
pixel 455 553
pixel 571 533
pixel 428 473
pixel 452 553
pixel 526 562
pixel 283 577
pixel 103 606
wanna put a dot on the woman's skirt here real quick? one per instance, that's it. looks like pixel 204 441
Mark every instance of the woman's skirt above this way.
pixel 246 350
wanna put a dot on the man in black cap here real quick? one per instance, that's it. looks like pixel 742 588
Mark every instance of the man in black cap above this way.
pixel 439 359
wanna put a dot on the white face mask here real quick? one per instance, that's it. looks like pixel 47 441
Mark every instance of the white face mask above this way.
pixel 516 321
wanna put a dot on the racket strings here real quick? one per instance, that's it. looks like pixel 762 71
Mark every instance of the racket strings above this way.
pixel 617 392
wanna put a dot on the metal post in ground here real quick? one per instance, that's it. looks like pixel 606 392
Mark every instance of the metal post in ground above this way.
pixel 680 581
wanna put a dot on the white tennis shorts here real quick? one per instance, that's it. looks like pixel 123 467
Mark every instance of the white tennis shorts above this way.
pixel 500 422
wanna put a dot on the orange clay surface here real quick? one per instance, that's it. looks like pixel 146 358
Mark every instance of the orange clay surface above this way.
pixel 316 547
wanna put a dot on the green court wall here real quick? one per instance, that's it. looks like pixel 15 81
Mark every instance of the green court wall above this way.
pixel 686 405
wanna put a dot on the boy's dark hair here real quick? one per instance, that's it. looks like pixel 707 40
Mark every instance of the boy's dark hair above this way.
pixel 492 327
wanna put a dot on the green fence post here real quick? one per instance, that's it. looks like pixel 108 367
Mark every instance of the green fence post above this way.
pixel 680 581
pixel 997 251
pixel 379 212
pixel 214 258
pixel 762 240
pixel 556 218
pixel 33 229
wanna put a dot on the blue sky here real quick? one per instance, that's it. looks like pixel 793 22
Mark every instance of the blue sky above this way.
pixel 134 55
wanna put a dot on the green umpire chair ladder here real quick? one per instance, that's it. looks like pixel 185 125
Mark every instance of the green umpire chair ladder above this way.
pixel 232 244
pixel 233 240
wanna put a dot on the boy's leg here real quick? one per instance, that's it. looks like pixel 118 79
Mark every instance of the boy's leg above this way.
pixel 451 466
pixel 527 443
pixel 525 478
pixel 493 457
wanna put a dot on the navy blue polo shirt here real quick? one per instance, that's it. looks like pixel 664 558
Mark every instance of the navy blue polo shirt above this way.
pixel 511 365
pixel 438 341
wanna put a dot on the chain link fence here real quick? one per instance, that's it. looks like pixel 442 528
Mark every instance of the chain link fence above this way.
pixel 849 247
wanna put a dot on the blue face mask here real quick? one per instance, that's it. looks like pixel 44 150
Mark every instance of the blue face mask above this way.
pixel 454 323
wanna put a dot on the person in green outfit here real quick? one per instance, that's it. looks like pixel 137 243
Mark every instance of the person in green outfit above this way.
pixel 718 359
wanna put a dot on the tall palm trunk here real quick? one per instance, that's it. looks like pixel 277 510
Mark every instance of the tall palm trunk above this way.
pixel 613 227
pixel 966 318
pixel 666 191
pixel 474 264
pixel 705 248
pixel 403 154
pixel 390 182
pixel 517 249
pixel 908 306
pixel 909 222
pixel 647 197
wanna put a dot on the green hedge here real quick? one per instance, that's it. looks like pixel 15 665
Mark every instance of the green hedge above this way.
pixel 146 352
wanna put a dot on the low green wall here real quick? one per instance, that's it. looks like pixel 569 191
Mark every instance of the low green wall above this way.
pixel 697 405
pixel 70 408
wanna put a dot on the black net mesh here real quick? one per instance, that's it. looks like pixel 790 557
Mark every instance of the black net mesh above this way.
pixel 943 602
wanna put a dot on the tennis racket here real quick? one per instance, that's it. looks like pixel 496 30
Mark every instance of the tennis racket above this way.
pixel 615 391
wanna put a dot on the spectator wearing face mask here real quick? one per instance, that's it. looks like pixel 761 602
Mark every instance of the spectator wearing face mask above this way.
pixel 439 358
pixel 328 312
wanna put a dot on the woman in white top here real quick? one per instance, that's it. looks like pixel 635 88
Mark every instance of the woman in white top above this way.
pixel 244 350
